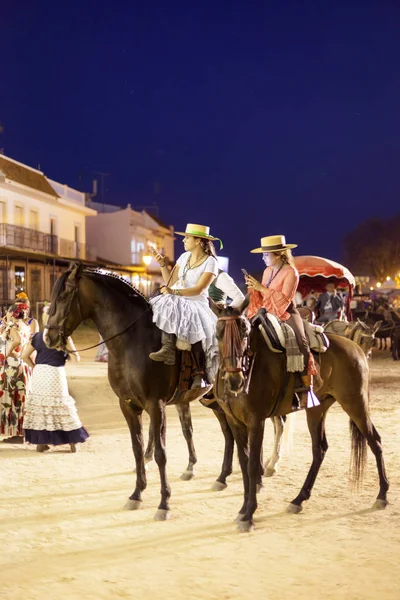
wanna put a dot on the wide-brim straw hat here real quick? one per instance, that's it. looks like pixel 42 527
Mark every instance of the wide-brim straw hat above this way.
pixel 201 231
pixel 273 243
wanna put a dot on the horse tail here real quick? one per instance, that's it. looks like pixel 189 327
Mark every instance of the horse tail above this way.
pixel 358 456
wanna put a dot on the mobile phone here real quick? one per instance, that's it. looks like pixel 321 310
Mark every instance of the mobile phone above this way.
pixel 245 273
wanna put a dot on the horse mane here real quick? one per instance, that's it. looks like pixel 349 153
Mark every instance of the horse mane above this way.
pixel 116 282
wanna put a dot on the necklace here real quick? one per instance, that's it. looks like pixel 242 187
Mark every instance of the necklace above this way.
pixel 272 276
pixel 188 267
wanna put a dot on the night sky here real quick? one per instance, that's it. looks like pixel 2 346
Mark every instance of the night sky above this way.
pixel 253 117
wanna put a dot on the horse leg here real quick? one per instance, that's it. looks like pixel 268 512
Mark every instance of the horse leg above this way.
pixel 316 426
pixel 270 465
pixel 220 484
pixel 256 436
pixel 148 455
pixel 158 423
pixel 133 417
pixel 240 434
pixel 362 432
pixel 185 418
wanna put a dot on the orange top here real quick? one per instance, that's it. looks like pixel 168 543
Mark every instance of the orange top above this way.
pixel 277 297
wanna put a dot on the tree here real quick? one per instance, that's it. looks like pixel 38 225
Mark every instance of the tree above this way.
pixel 373 248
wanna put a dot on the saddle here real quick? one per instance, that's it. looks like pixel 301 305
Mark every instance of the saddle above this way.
pixel 278 335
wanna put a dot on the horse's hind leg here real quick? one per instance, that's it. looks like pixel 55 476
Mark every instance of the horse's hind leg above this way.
pixel 158 423
pixel 148 455
pixel 187 430
pixel 270 465
pixel 220 483
pixel 133 417
pixel 363 431
pixel 316 426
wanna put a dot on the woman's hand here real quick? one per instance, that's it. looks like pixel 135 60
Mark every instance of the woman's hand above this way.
pixel 158 257
pixel 253 284
pixel 166 290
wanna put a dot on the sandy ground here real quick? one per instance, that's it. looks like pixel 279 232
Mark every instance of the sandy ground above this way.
pixel 64 534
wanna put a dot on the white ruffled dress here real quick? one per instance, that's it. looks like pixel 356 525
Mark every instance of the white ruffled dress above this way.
pixel 190 318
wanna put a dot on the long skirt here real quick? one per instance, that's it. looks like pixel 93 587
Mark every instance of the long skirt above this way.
pixel 50 412
pixel 13 381
pixel 191 321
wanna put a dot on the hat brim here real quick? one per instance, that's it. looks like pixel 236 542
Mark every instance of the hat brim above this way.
pixel 273 249
pixel 206 237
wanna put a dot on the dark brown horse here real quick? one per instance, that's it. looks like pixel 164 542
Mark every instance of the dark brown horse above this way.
pixel 123 316
pixel 344 378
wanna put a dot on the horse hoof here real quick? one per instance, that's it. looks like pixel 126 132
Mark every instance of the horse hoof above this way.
pixel 245 526
pixel 380 504
pixel 294 509
pixel 259 488
pixel 162 515
pixel 187 475
pixel 218 486
pixel 133 504
pixel 239 518
pixel 270 472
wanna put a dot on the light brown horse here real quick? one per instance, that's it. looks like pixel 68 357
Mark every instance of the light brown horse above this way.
pixel 344 379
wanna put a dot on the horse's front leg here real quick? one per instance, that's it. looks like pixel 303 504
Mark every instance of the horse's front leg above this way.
pixel 256 436
pixel 187 430
pixel 159 425
pixel 220 483
pixel 133 417
pixel 239 431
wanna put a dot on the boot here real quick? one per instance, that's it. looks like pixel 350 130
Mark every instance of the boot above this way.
pixel 166 354
pixel 199 366
pixel 307 397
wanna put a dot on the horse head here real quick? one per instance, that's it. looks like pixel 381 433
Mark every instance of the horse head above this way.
pixel 233 330
pixel 365 336
pixel 65 311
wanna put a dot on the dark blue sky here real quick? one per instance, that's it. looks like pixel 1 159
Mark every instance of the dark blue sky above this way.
pixel 254 117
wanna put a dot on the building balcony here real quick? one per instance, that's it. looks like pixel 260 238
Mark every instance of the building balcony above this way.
pixel 23 238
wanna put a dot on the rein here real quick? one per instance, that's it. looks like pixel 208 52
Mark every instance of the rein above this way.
pixel 233 347
pixel 60 327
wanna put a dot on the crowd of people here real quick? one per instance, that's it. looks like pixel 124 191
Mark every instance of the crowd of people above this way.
pixel 35 405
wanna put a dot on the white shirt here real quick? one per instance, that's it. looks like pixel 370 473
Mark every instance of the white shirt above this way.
pixel 225 283
pixel 192 276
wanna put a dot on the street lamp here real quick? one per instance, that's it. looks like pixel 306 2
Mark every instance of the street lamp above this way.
pixel 147 258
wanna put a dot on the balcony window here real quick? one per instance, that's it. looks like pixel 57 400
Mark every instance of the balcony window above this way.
pixel 19 215
pixel 3 214
pixel 19 280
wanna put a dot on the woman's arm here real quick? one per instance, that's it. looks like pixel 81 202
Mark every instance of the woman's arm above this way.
pixel 204 282
pixel 170 277
pixel 26 355
pixel 74 354
pixel 34 327
pixel 15 341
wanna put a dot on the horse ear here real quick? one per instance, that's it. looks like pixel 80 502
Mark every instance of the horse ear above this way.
pixel 376 326
pixel 74 272
pixel 218 311
pixel 244 304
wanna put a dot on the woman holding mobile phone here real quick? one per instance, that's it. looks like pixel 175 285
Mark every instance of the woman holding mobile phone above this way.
pixel 276 294
pixel 182 311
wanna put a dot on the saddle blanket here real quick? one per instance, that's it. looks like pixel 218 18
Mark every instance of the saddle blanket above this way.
pixel 280 337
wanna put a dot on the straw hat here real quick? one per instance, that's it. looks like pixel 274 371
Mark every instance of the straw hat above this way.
pixel 201 231
pixel 273 243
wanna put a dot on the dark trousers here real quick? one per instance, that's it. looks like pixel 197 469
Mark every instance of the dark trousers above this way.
pixel 199 359
pixel 296 323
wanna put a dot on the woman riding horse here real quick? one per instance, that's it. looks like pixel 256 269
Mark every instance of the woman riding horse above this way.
pixel 276 294
pixel 182 311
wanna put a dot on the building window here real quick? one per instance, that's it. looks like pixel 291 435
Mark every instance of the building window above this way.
pixel 19 215
pixel 76 241
pixel 137 250
pixel 19 280
pixel 53 226
pixel 3 214
pixel 34 220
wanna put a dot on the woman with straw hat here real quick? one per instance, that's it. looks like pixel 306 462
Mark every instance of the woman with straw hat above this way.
pixel 276 294
pixel 182 311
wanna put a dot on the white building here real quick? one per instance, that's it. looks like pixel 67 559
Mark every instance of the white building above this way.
pixel 42 226
pixel 123 236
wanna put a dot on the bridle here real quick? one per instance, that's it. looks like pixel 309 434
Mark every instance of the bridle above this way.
pixel 61 326
pixel 234 349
